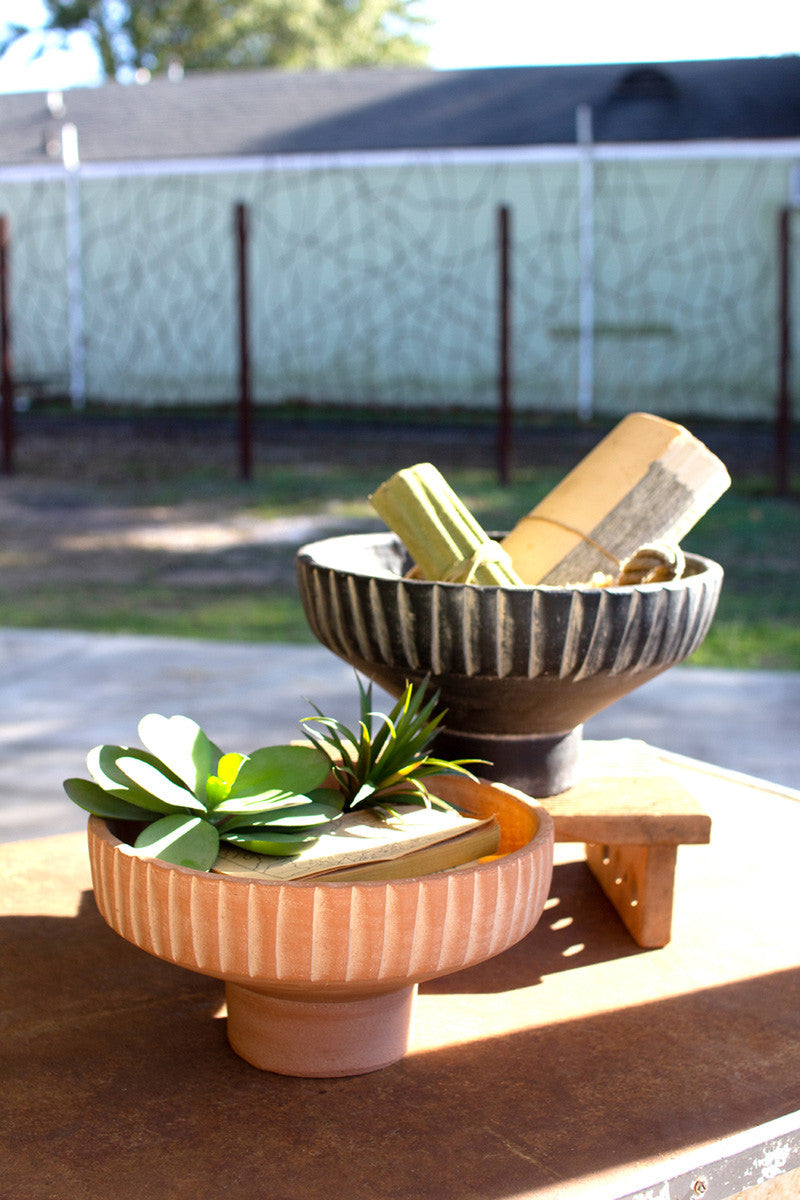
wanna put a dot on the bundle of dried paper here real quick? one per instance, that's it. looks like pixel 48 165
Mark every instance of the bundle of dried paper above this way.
pixel 649 481
pixel 441 535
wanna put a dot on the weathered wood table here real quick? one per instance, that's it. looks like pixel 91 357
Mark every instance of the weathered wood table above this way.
pixel 578 1064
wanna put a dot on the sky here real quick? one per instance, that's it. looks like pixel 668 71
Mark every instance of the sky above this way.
pixel 493 33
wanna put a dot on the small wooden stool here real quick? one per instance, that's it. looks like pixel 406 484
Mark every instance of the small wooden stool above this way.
pixel 632 815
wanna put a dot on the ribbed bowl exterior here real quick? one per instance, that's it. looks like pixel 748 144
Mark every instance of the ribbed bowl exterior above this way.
pixel 303 938
pixel 360 605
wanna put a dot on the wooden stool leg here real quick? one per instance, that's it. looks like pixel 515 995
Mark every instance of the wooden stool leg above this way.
pixel 640 883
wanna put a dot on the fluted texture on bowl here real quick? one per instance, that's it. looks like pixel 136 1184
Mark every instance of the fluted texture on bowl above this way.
pixel 328 939
pixel 561 653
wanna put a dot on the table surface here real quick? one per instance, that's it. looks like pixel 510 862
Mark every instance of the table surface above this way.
pixel 575 1064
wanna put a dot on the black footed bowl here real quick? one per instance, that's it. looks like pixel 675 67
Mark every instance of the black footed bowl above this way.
pixel 519 669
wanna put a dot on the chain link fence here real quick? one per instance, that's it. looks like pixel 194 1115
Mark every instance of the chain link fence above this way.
pixel 377 282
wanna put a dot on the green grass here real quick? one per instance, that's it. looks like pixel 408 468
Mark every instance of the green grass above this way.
pixel 339 492
pixel 238 614
pixel 755 536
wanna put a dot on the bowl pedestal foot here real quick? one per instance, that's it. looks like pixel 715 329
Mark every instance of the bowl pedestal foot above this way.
pixel 538 765
pixel 315 1038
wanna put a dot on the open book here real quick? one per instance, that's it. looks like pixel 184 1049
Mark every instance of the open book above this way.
pixel 363 845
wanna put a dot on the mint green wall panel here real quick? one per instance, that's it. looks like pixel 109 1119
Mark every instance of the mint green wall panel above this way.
pixel 380 284
pixel 37 272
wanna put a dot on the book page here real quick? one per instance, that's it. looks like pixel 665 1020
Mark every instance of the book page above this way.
pixel 359 837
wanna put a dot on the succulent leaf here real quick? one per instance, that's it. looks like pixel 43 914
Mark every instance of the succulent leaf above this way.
pixel 262 802
pixel 218 786
pixel 95 799
pixel 228 766
pixel 289 816
pixel 181 746
pixel 330 797
pixel 216 791
pixel 167 795
pixel 280 842
pixel 291 770
pixel 183 840
pixel 102 764
pixel 126 788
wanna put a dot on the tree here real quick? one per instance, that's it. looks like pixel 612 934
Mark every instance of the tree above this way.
pixel 230 34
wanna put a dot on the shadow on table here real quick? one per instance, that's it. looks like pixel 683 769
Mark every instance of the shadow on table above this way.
pixel 119 1083
pixel 578 928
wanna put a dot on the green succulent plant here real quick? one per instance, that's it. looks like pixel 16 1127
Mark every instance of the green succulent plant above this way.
pixel 191 795
pixel 371 765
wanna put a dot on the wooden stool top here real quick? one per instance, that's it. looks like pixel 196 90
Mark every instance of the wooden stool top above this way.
pixel 627 796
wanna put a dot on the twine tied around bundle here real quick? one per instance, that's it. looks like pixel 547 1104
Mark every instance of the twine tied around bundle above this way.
pixel 578 533
pixel 657 562
pixel 654 562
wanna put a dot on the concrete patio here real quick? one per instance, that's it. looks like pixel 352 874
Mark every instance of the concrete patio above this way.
pixel 63 693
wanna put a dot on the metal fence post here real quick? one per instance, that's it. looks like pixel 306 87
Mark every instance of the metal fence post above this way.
pixel 504 346
pixel 72 216
pixel 6 382
pixel 245 399
pixel 783 414
pixel 586 251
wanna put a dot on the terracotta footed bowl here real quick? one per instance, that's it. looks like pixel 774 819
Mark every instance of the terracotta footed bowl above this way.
pixel 519 669
pixel 321 977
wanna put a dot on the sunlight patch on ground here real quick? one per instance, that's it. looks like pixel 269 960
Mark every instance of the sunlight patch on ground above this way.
pixel 187 536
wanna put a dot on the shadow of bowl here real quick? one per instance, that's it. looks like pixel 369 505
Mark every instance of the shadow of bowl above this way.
pixel 518 669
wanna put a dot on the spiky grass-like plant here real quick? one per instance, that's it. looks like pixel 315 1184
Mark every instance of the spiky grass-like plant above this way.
pixel 372 765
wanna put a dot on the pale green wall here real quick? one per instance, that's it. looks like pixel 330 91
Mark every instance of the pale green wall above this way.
pixel 390 287
pixel 380 284
pixel 38 282
pixel 688 250
pixel 158 285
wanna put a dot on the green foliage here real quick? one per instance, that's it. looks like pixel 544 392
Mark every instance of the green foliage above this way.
pixel 206 35
pixel 237 612
pixel 371 765
pixel 190 795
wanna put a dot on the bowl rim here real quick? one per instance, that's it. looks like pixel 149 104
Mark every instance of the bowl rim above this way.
pixel 99 829
pixel 305 556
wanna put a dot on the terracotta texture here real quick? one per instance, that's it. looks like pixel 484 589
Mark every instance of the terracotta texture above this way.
pixel 519 669
pixel 320 976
